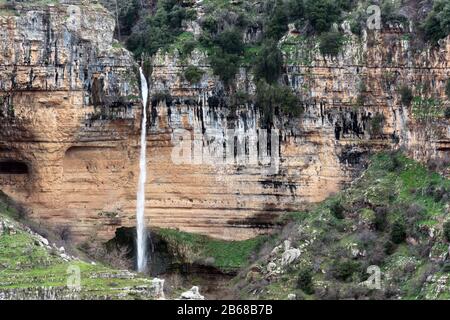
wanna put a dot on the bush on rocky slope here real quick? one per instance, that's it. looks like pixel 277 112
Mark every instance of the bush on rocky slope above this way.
pixel 193 74
pixel 160 29
pixel 437 24
pixel 393 219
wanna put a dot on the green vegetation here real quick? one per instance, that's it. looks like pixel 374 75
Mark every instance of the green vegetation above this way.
pixel 273 98
pixel 427 108
pixel 376 124
pixel 160 30
pixel 185 44
pixel 331 43
pixel 384 219
pixel 269 62
pixel 8 12
pixel 128 15
pixel 26 263
pixel 389 12
pixel 193 74
pixel 398 232
pixel 322 14
pixel 437 24
pixel 447 230
pixel 336 209
pixel 224 26
pixel 406 95
pixel 224 255
pixel 226 51
pixel 345 269
pixel 305 280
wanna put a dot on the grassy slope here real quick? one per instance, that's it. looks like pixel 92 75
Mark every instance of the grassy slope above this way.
pixel 26 264
pixel 394 191
pixel 224 255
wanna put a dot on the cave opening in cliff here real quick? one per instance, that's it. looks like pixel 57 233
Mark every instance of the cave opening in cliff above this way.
pixel 13 167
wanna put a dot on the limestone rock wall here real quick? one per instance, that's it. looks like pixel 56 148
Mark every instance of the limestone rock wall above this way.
pixel 352 108
pixel 69 109
pixel 70 122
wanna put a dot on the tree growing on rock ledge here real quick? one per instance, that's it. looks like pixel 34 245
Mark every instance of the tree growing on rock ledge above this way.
pixel 276 99
pixel 406 95
pixel 331 43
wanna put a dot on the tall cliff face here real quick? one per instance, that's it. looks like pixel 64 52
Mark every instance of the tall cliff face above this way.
pixel 70 125
pixel 352 108
pixel 68 112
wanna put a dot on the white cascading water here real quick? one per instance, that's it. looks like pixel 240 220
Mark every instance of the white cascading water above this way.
pixel 140 209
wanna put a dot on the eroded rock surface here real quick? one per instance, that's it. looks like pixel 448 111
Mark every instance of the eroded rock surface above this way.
pixel 71 120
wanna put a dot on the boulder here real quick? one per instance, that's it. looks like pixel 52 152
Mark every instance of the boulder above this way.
pixel 158 288
pixel 271 267
pixel 289 256
pixel 192 294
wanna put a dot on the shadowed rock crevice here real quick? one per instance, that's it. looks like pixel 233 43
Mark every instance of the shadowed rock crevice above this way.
pixel 13 167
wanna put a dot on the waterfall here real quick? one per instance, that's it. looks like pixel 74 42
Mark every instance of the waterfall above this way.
pixel 140 209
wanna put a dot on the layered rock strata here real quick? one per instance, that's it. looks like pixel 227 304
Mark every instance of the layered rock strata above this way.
pixel 70 123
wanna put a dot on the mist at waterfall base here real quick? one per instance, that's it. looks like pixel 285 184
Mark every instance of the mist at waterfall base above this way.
pixel 140 207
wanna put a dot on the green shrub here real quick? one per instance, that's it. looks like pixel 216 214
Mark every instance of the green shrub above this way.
pixel 447 230
pixel 161 29
pixel 272 98
pixel 376 124
pixel 331 43
pixel 128 15
pixel 447 113
pixel 398 232
pixel 389 13
pixel 295 10
pixel 321 14
pixel 446 267
pixel 394 163
pixel 193 74
pixel 188 46
pixel 304 280
pixel 225 66
pixel 230 41
pixel 336 209
pixel 345 268
pixel 389 247
pixel 406 95
pixel 225 56
pixel 437 24
pixel 380 221
pixel 269 62
pixel 239 98
pixel 277 24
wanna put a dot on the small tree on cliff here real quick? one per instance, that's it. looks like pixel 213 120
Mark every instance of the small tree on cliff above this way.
pixel 406 95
